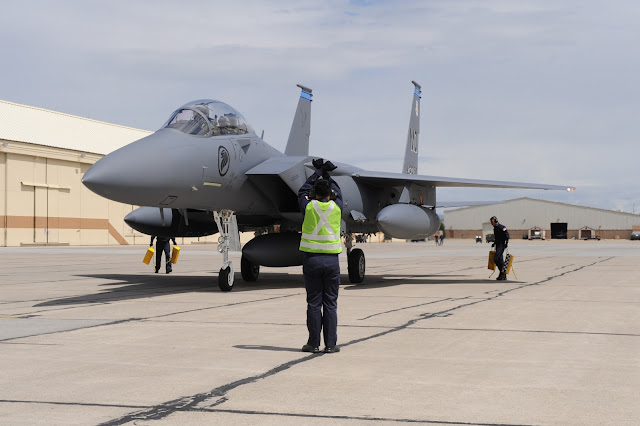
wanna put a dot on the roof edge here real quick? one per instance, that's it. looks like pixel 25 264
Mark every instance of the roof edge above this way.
pixel 73 116
pixel 549 202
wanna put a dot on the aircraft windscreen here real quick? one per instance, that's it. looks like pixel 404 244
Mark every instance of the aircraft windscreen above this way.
pixel 208 118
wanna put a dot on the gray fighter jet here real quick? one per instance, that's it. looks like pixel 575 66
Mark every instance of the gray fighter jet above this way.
pixel 206 171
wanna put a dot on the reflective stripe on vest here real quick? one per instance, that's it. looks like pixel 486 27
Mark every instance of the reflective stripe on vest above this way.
pixel 321 229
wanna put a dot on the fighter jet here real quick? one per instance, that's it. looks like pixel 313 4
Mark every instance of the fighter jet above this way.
pixel 206 171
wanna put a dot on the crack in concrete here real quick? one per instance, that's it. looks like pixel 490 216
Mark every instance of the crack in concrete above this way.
pixel 127 320
pixel 406 307
pixel 190 403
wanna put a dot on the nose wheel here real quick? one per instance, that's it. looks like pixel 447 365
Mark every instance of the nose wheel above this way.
pixel 225 278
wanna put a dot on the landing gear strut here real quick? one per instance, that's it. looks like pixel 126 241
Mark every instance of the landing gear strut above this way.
pixel 355 261
pixel 227 242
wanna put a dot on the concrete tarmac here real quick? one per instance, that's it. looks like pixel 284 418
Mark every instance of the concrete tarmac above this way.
pixel 90 335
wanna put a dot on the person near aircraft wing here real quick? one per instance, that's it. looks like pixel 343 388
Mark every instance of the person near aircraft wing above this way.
pixel 501 242
pixel 163 245
pixel 321 244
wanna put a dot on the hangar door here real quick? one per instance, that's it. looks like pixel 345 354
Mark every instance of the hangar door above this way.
pixel 44 199
pixel 45 212
pixel 559 231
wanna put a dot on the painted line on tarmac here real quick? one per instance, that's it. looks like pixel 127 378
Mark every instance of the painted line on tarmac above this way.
pixel 506 330
pixel 337 417
pixel 73 404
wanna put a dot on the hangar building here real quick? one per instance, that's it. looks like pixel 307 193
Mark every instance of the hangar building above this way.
pixel 43 156
pixel 536 218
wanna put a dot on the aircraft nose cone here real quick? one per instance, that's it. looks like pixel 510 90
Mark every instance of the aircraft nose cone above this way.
pixel 149 220
pixel 141 173
pixel 100 177
pixel 149 216
pixel 135 218
pixel 114 176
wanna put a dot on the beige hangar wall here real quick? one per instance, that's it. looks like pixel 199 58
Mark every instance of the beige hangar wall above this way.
pixel 43 201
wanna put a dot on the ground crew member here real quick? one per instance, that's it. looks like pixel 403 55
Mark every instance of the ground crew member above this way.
pixel 162 244
pixel 321 244
pixel 501 242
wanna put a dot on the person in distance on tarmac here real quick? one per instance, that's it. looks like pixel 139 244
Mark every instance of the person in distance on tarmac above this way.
pixel 501 242
pixel 162 244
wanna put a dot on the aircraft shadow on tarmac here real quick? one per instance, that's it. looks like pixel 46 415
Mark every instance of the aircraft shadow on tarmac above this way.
pixel 390 280
pixel 133 286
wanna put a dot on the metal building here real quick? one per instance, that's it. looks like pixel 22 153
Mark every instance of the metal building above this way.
pixel 534 218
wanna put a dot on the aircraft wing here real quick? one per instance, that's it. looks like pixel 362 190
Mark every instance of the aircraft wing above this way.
pixel 447 204
pixel 290 169
pixel 398 179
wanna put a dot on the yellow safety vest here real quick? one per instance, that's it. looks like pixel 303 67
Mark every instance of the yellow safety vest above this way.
pixel 321 228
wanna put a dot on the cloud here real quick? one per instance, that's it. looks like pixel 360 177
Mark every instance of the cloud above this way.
pixel 524 91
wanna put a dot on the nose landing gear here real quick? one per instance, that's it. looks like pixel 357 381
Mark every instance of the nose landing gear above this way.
pixel 229 240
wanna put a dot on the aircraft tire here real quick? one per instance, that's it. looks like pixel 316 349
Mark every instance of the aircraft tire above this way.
pixel 225 279
pixel 250 271
pixel 356 266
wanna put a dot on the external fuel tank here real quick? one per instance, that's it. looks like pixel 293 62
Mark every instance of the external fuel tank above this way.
pixel 408 221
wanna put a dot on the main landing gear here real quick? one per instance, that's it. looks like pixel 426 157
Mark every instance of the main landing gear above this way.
pixel 355 261
pixel 250 271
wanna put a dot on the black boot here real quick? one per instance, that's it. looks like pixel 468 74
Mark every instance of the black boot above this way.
pixel 502 277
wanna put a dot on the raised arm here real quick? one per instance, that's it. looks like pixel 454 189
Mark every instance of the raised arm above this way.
pixel 303 193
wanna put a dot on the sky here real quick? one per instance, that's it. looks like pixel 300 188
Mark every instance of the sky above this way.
pixel 529 90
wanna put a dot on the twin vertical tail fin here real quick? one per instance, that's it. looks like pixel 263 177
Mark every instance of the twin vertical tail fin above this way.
pixel 410 165
pixel 298 143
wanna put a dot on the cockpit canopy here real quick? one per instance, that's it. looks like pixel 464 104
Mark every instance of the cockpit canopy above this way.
pixel 207 117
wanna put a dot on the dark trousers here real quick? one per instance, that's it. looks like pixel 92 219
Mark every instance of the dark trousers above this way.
pixel 163 246
pixel 322 281
pixel 498 258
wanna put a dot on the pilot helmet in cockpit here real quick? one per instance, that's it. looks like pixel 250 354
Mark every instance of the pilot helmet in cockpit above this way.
pixel 203 109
